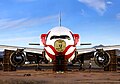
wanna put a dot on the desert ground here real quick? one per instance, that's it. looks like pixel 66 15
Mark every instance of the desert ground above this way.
pixel 48 76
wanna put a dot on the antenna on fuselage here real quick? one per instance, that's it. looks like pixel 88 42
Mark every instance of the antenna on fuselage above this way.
pixel 60 19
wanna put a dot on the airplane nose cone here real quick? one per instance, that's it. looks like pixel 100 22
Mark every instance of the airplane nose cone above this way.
pixel 60 45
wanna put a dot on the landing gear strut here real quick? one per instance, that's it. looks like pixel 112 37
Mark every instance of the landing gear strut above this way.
pixel 60 64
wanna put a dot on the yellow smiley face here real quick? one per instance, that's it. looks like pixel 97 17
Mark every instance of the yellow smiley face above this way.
pixel 60 45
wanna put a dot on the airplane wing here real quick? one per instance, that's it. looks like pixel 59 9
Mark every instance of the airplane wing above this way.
pixel 101 57
pixel 105 48
pixel 26 49
pixel 80 51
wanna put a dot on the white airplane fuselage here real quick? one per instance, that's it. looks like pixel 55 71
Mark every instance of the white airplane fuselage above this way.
pixel 60 40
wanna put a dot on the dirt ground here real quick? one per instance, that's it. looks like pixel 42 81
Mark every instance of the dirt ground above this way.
pixel 50 77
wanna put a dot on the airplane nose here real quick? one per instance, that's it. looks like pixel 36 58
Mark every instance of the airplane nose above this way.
pixel 60 45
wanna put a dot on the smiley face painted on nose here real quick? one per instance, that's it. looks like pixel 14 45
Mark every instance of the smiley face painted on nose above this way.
pixel 60 45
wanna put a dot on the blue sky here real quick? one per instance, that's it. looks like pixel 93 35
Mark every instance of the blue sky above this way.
pixel 22 21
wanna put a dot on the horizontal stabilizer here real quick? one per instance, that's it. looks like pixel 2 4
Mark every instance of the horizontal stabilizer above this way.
pixel 34 44
pixel 85 44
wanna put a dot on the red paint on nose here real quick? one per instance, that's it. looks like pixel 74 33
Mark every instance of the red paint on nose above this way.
pixel 60 53
pixel 76 38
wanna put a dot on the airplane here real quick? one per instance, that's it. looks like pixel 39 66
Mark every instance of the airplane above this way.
pixel 59 42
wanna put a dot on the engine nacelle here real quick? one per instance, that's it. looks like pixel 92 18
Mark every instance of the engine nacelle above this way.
pixel 17 58
pixel 102 58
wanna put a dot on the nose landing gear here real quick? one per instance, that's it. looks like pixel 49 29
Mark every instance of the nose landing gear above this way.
pixel 60 64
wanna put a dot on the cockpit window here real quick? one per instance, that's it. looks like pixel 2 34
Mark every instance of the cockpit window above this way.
pixel 60 37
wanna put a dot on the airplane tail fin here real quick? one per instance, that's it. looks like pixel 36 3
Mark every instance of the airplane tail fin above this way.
pixel 60 19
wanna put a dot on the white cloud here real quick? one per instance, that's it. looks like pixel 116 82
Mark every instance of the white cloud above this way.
pixel 118 16
pixel 40 20
pixel 109 2
pixel 98 5
pixel 20 39
pixel 9 23
pixel 24 22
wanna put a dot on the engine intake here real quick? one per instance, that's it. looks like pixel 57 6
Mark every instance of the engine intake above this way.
pixel 102 58
pixel 17 58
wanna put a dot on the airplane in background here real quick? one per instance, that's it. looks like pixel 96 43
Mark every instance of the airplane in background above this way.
pixel 59 42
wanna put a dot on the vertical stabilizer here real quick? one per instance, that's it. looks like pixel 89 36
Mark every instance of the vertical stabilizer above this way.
pixel 60 19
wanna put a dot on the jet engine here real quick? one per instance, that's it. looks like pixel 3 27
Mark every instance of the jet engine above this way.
pixel 102 58
pixel 17 58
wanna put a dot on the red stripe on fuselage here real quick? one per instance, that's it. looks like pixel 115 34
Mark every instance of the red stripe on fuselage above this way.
pixel 69 55
pixel 57 53
pixel 50 55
